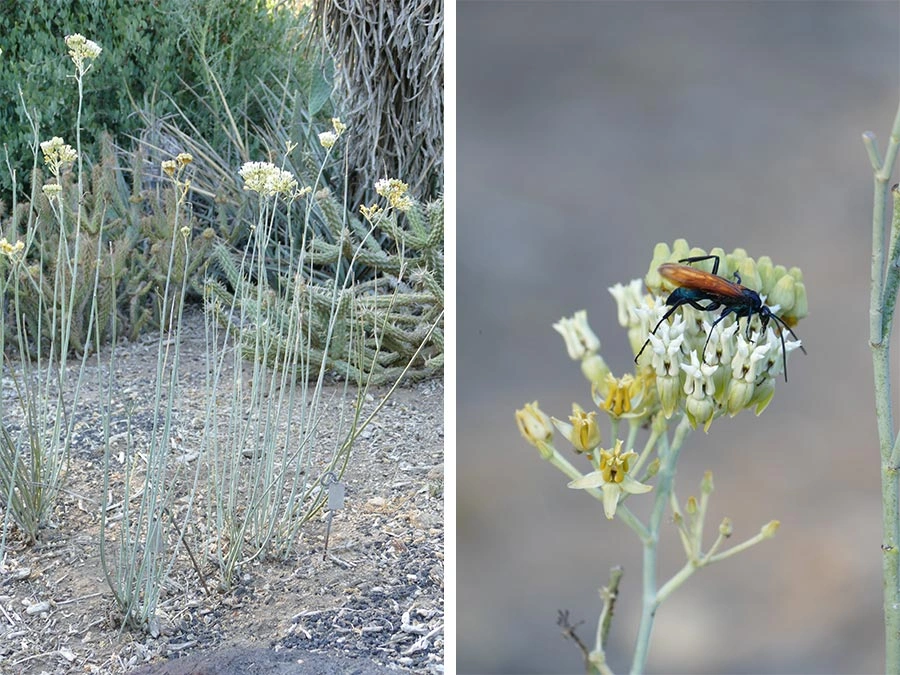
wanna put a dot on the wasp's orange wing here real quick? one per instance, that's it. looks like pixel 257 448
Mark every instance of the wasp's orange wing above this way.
pixel 691 277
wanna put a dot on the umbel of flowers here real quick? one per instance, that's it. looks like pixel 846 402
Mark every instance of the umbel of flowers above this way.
pixel 703 370
pixel 691 368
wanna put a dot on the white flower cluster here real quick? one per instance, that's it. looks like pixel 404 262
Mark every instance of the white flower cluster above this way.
pixel 267 179
pixel 82 50
pixel 57 155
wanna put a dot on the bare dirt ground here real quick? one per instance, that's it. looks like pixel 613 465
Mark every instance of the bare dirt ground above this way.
pixel 374 604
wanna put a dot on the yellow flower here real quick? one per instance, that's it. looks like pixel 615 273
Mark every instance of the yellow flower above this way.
pixel 394 190
pixel 327 139
pixel 582 431
pixel 535 427
pixel 11 251
pixel 622 396
pixel 369 212
pixel 612 477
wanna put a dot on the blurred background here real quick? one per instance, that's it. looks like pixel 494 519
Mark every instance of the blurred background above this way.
pixel 587 132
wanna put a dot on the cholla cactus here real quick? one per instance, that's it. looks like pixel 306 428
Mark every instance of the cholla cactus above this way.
pixel 127 230
pixel 396 303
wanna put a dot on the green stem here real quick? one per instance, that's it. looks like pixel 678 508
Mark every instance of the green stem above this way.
pixel 669 457
pixel 609 594
pixel 679 578
pixel 881 310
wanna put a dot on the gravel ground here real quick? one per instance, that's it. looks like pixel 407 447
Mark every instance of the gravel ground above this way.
pixel 374 603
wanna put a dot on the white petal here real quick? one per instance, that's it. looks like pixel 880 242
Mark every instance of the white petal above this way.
pixel 592 480
pixel 611 492
pixel 631 486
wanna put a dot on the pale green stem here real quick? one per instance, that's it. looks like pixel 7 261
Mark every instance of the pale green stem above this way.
pixel 715 547
pixel 695 563
pixel 679 578
pixel 743 546
pixel 881 309
pixel 678 517
pixel 597 658
pixel 633 427
pixel 700 520
pixel 669 457
pixel 645 453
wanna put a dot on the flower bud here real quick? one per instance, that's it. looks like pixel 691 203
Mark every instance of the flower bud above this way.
pixel 580 339
pixel 769 529
pixel 661 254
pixel 746 268
pixel 691 506
pixel 739 394
pixel 595 369
pixel 766 270
pixel 801 306
pixel 783 294
pixel 534 425
pixel 706 485
pixel 762 395
pixel 726 528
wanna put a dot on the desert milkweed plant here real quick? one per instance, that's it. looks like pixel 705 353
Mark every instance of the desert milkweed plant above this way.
pixel 695 367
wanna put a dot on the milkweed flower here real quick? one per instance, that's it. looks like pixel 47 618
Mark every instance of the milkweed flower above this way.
pixel 699 388
pixel 395 191
pixel 58 156
pixel 267 179
pixel 612 478
pixel 52 190
pixel 327 139
pixel 582 430
pixel 370 212
pixel 621 397
pixel 580 339
pixel 535 427
pixel 12 251
pixel 82 50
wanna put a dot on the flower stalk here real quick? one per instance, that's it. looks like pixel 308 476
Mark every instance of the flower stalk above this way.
pixel 882 302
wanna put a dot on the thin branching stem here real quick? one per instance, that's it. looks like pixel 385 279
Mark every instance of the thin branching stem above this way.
pixel 885 279
pixel 650 603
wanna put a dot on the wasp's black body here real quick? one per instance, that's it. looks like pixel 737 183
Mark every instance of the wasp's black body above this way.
pixel 696 286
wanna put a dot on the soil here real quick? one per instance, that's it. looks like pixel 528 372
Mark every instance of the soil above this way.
pixel 372 603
